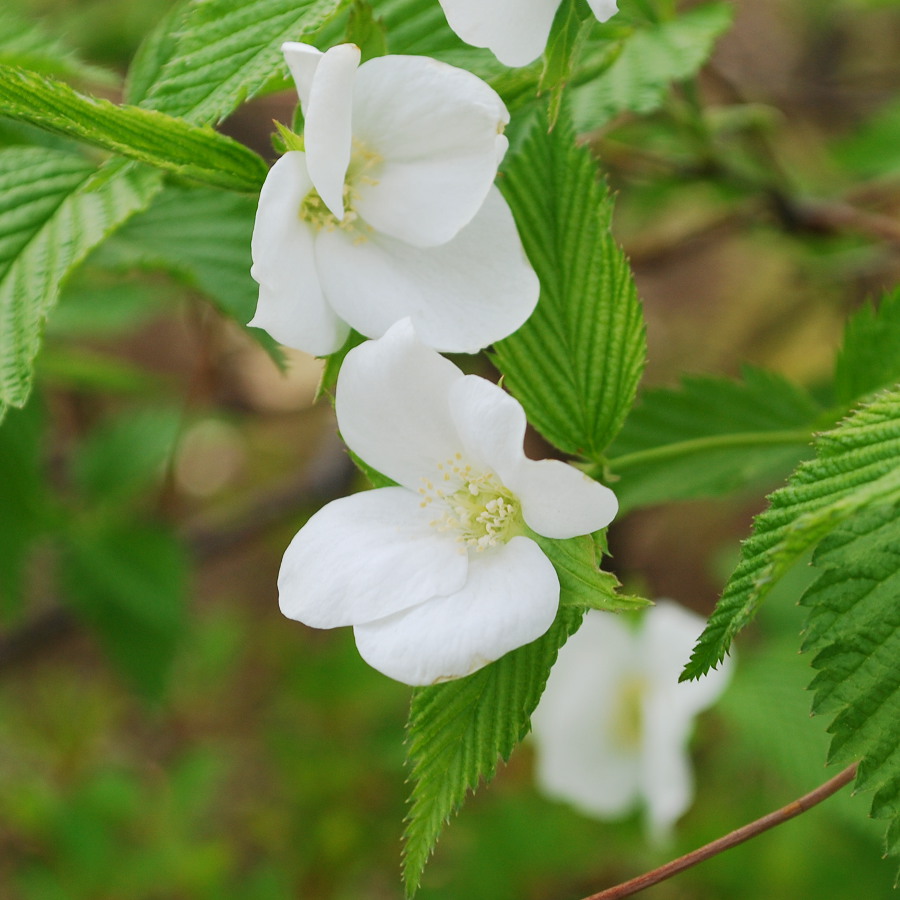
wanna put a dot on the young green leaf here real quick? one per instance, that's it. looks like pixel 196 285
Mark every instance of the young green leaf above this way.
pixel 854 624
pixel 458 732
pixel 856 465
pixel 711 435
pixel 54 209
pixel 155 50
pixel 582 583
pixel 650 60
pixel 870 357
pixel 228 50
pixel 129 583
pixel 144 135
pixel 575 364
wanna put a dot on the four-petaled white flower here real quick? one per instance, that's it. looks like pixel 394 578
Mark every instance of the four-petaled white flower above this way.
pixel 437 575
pixel 613 723
pixel 514 30
pixel 391 210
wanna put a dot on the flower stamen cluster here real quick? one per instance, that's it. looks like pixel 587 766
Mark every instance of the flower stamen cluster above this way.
pixel 476 506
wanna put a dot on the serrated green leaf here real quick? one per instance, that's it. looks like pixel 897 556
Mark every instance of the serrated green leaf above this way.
pixel 870 356
pixel 30 45
pixel 570 30
pixel 650 60
pixel 856 465
pixel 203 237
pixel 54 209
pixel 575 364
pixel 129 583
pixel 459 732
pixel 120 456
pixel 144 135
pixel 854 624
pixel 582 583
pixel 711 435
pixel 228 50
pixel 155 50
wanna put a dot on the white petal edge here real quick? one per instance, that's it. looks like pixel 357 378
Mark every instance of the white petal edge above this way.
pixel 302 60
pixel 461 297
pixel 558 501
pixel 603 9
pixel 291 307
pixel 392 408
pixel 367 556
pixel 436 132
pixel 327 130
pixel 514 31
pixel 510 599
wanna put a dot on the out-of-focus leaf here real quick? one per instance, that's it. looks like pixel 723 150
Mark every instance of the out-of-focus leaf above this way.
pixel 711 435
pixel 129 583
pixel 650 60
pixel 121 456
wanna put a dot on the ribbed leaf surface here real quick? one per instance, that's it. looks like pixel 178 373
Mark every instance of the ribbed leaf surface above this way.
pixel 854 624
pixel 458 732
pixel 54 208
pixel 144 135
pixel 228 50
pixel 576 362
pixel 856 465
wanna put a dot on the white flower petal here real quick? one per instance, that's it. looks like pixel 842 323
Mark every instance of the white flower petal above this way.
pixel 667 637
pixel 461 297
pixel 490 423
pixel 603 9
pixel 516 32
pixel 436 130
pixel 367 556
pixel 558 501
pixel 292 307
pixel 302 61
pixel 391 404
pixel 327 130
pixel 509 599
pixel 577 756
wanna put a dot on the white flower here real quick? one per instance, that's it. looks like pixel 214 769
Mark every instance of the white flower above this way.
pixel 437 575
pixel 514 30
pixel 391 211
pixel 613 724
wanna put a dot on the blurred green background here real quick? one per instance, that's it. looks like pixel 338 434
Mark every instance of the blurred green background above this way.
pixel 183 740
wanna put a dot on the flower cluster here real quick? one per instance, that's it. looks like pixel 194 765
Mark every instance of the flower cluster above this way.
pixel 613 723
pixel 390 211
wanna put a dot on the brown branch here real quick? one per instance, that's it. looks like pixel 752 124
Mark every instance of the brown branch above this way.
pixel 807 801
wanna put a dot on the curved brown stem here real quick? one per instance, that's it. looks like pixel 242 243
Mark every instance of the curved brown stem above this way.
pixel 807 801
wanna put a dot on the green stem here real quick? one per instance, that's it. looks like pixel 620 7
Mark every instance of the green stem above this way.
pixel 712 442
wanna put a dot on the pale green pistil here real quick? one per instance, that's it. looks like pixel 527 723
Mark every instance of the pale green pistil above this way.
pixel 476 506
pixel 314 211
pixel 628 716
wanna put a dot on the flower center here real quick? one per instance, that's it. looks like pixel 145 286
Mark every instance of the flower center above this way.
pixel 313 209
pixel 475 505
pixel 628 715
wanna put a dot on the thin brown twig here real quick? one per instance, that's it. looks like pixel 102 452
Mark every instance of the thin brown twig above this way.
pixel 807 801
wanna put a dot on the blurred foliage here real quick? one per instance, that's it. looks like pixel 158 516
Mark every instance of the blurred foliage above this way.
pixel 227 753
